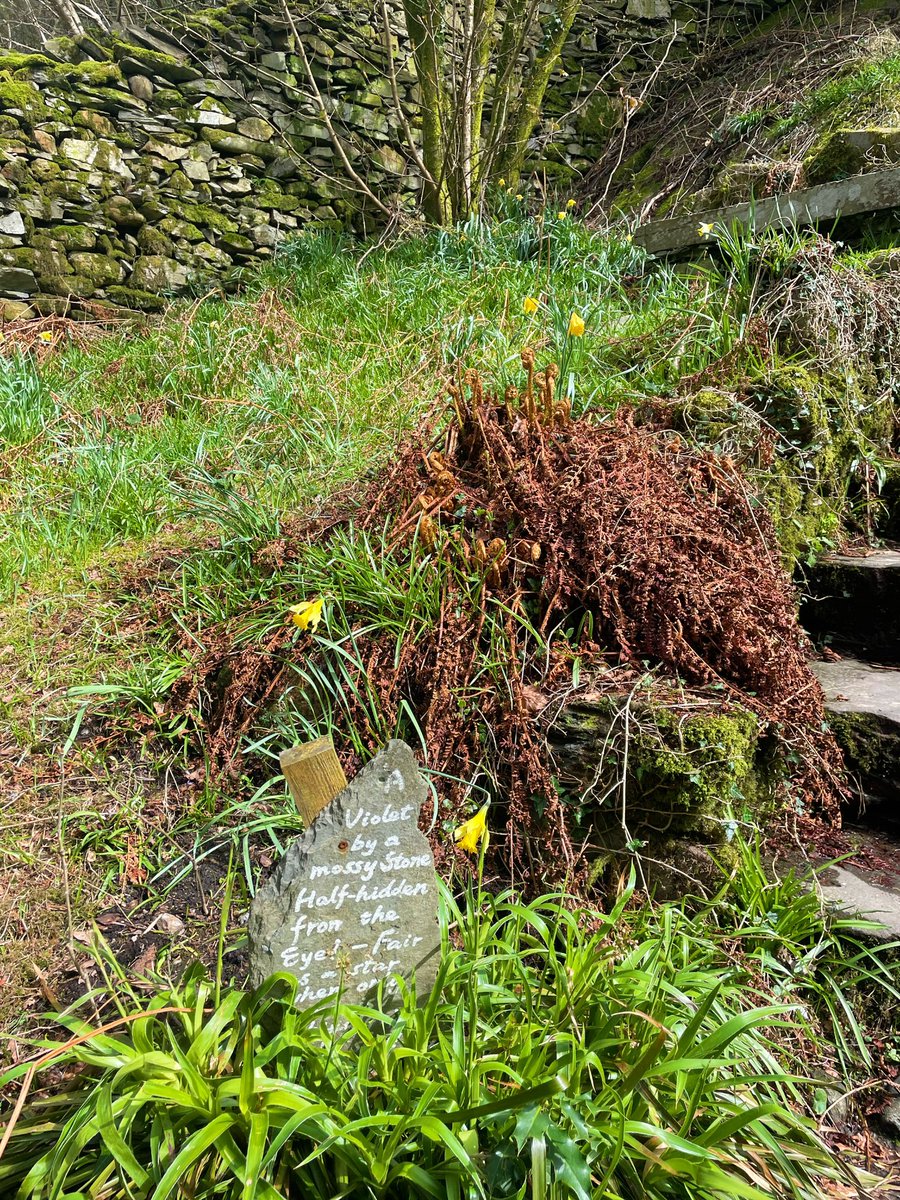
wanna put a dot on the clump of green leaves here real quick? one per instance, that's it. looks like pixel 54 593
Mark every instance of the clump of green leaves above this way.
pixel 561 1053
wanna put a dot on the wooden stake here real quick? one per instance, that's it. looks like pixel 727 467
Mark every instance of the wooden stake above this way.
pixel 314 775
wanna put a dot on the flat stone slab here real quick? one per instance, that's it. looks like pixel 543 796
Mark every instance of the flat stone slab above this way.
pixel 354 901
pixel 856 894
pixel 857 687
pixel 871 192
pixel 875 560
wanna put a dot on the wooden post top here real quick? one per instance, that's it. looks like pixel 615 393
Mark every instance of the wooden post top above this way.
pixel 314 775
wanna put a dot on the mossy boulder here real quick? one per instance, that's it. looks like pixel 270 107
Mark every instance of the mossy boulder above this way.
pixel 135 298
pixel 681 769
pixel 74 237
pixel 100 269
pixel 122 213
pixel 154 273
pixel 20 96
pixel 848 152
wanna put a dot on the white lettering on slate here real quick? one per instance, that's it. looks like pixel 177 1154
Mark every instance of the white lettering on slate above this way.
pixel 369 930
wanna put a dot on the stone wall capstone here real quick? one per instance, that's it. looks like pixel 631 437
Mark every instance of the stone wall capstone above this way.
pixel 149 162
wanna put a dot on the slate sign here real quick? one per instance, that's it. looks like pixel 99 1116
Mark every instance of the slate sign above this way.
pixel 354 900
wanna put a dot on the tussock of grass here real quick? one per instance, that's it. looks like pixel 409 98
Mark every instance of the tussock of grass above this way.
pixel 572 1053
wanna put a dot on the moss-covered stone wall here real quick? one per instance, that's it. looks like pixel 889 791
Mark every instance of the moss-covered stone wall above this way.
pixel 150 162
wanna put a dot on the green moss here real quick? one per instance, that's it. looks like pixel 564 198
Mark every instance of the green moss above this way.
pixel 204 215
pixel 686 772
pixel 24 96
pixel 832 157
pixel 214 21
pixel 134 298
pixel 74 237
pixel 859 93
pixel 10 61
pixel 99 74
pixel 825 428
pixel 870 746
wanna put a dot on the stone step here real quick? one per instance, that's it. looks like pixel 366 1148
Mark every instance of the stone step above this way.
pixel 853 604
pixel 863 705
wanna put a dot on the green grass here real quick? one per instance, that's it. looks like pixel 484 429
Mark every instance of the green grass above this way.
pixel 865 90
pixel 309 378
pixel 562 1053
pixel 643 1052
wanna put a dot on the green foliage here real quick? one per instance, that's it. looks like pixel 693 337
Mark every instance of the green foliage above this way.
pixel 561 1053
pixel 805 951
pixel 872 86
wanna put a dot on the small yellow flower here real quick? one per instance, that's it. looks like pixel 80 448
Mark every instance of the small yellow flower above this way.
pixel 307 615
pixel 561 215
pixel 502 182
pixel 576 325
pixel 519 196
pixel 704 229
pixel 45 335
pixel 629 237
pixel 530 305
pixel 570 204
pixel 471 833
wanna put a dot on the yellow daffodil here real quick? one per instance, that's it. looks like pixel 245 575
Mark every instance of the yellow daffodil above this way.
pixel 502 183
pixel 45 335
pixel 629 237
pixel 704 229
pixel 576 325
pixel 570 204
pixel 519 196
pixel 530 305
pixel 471 833
pixel 307 615
pixel 561 215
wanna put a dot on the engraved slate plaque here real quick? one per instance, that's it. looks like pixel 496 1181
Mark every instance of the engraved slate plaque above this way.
pixel 354 900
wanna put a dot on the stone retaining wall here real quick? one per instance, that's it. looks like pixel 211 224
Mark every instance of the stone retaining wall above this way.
pixel 151 162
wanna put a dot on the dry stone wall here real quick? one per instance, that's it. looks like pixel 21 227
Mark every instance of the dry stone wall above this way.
pixel 151 162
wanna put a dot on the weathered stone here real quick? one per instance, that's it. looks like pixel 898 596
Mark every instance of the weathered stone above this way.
pixel 212 118
pixel 210 255
pixel 263 235
pixel 81 287
pixel 388 158
pixel 195 170
pixel 44 141
pixel 648 10
pixel 235 143
pixel 95 122
pixel 153 241
pixel 103 155
pixel 11 223
pixel 275 60
pixel 851 601
pixel 141 87
pixel 73 237
pixel 354 901
pixel 121 211
pixel 15 310
pixel 154 273
pixel 236 243
pixel 16 281
pixel 100 269
pixel 874 192
pixel 165 149
pixel 256 128
pixel 224 89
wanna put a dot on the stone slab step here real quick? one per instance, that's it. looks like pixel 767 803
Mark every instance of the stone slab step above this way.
pixel 857 893
pixel 863 705
pixel 853 604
